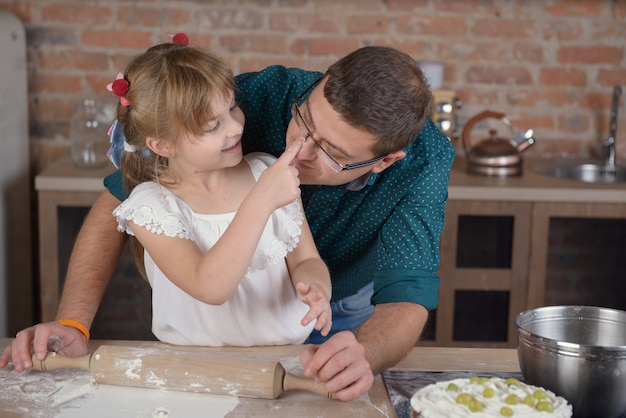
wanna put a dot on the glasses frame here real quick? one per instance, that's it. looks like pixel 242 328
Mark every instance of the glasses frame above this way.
pixel 333 164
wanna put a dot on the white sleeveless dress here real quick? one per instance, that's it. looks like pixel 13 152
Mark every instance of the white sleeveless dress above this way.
pixel 264 310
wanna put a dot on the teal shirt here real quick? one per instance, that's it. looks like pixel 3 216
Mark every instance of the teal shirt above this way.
pixel 387 232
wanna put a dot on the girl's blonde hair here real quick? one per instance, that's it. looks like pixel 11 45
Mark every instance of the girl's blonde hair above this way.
pixel 171 89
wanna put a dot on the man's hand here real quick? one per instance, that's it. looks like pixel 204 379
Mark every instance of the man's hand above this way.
pixel 340 364
pixel 49 336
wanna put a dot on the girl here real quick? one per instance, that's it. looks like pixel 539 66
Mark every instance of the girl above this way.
pixel 223 239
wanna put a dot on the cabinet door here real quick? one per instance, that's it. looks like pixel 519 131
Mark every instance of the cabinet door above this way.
pixel 484 273
pixel 550 218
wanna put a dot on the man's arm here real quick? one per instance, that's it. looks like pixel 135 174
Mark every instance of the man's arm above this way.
pixel 94 258
pixel 390 333
pixel 93 261
pixel 347 361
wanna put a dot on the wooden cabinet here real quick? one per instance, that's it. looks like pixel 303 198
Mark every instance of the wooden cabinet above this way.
pixel 543 212
pixel 484 272
pixel 494 250
pixel 494 246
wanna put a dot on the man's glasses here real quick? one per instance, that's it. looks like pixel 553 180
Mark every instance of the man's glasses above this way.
pixel 333 164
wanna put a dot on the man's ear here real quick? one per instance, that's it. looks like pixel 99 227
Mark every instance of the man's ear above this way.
pixel 391 158
pixel 160 147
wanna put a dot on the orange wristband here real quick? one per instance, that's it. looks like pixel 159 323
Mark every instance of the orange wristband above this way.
pixel 75 324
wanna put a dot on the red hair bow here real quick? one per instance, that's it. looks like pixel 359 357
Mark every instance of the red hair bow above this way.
pixel 180 39
pixel 120 87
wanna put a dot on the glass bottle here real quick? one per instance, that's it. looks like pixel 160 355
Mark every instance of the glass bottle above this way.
pixel 88 133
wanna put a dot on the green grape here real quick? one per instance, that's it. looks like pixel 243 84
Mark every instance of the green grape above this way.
pixel 512 381
pixel 529 400
pixel 473 379
pixel 489 392
pixel 505 411
pixel 545 406
pixel 464 398
pixel 475 405
pixel 452 387
pixel 540 394
pixel 483 380
pixel 512 399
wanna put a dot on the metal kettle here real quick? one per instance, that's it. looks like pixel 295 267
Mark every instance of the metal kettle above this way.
pixel 495 156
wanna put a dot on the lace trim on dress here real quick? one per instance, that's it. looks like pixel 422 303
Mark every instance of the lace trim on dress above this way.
pixel 286 239
pixel 145 215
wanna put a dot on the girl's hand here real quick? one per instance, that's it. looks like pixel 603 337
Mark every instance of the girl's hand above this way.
pixel 319 307
pixel 279 185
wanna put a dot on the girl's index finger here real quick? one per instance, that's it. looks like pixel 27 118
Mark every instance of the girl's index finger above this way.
pixel 291 152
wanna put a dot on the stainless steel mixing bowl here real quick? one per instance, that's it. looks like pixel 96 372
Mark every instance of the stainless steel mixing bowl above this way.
pixel 579 353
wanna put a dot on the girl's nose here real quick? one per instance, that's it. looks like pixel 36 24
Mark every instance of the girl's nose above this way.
pixel 235 127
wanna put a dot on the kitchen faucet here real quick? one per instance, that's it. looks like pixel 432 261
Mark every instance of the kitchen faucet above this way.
pixel 609 144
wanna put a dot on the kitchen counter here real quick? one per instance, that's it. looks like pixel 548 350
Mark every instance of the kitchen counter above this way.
pixel 64 176
pixel 529 187
pixel 68 393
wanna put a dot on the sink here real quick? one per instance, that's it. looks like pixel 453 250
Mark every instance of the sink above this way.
pixel 585 171
pixel 605 171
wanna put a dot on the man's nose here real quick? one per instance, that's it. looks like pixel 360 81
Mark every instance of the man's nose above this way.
pixel 307 151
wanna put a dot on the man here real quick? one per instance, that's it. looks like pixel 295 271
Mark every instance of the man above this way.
pixel 374 193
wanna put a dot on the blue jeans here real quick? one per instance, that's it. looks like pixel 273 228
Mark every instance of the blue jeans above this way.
pixel 348 313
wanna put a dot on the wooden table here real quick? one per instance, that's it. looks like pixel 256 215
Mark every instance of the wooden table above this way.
pixel 29 394
pixel 34 394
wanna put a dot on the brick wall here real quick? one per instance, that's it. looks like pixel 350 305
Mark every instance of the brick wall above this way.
pixel 547 64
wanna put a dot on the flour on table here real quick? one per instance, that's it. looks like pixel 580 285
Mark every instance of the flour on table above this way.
pixel 161 412
pixel 72 393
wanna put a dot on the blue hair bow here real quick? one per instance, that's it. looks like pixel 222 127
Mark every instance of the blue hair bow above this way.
pixel 116 134
pixel 119 145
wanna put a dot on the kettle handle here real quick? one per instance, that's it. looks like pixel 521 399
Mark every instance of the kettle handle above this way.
pixel 470 124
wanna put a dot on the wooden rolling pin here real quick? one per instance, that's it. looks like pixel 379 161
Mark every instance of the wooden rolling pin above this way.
pixel 188 371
